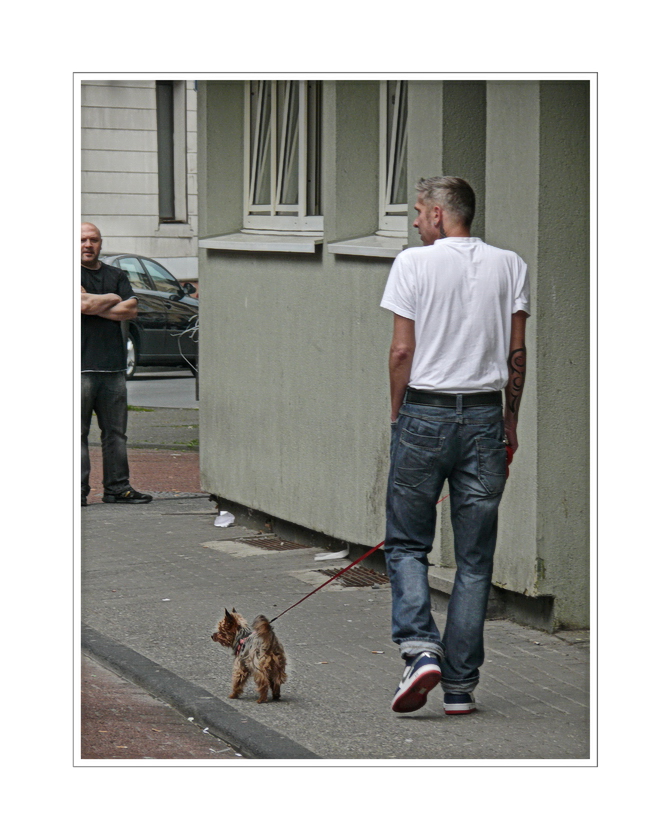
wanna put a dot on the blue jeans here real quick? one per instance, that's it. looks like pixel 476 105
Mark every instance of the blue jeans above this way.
pixel 431 445
pixel 106 394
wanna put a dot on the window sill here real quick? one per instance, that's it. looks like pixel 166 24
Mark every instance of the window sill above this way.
pixel 370 246
pixel 173 229
pixel 288 243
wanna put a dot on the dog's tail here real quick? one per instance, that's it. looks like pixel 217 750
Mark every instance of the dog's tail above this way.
pixel 262 627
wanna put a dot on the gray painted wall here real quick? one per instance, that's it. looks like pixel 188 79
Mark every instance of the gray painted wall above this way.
pixel 293 393
pixel 563 347
pixel 293 384
pixel 512 171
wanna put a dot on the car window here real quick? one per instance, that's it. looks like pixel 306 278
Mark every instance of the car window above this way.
pixel 162 278
pixel 136 274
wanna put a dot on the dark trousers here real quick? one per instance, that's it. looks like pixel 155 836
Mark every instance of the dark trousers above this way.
pixel 106 394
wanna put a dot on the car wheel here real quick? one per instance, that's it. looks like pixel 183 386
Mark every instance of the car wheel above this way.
pixel 131 357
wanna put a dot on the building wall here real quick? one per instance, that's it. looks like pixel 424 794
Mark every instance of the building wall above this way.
pixel 120 173
pixel 563 360
pixel 512 177
pixel 293 373
pixel 293 394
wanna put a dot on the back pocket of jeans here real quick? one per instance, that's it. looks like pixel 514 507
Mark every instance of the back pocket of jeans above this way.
pixel 491 464
pixel 416 457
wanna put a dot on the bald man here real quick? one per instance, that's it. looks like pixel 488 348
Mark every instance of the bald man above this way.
pixel 106 299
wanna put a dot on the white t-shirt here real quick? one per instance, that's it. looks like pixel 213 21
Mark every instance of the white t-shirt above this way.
pixel 460 293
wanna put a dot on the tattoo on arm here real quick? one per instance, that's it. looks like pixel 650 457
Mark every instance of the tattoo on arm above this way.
pixel 517 377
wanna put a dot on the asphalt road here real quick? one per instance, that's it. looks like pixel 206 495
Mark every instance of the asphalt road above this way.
pixel 162 388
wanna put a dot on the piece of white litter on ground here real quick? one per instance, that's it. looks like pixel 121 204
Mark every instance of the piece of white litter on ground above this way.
pixel 335 555
pixel 165 599
pixel 224 519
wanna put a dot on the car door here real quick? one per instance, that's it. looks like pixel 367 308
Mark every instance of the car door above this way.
pixel 179 313
pixel 151 318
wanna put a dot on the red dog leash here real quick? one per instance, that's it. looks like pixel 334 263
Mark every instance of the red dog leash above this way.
pixel 330 580
pixel 334 577
pixel 510 455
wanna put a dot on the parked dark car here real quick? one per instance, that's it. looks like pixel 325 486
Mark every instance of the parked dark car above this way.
pixel 165 331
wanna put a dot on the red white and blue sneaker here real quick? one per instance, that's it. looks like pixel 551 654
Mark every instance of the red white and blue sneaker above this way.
pixel 459 704
pixel 420 676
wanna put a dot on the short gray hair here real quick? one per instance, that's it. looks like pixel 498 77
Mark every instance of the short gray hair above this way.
pixel 454 195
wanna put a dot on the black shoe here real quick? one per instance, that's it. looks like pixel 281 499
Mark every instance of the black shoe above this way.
pixel 128 497
pixel 84 503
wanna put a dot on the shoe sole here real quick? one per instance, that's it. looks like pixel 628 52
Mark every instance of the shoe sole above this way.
pixel 460 709
pixel 415 695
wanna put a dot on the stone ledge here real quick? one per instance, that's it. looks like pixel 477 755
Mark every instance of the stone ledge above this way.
pixel 441 578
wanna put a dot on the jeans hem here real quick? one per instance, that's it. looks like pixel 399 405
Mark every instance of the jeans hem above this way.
pixel 411 647
pixel 464 687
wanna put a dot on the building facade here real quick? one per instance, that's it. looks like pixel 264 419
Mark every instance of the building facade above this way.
pixel 139 169
pixel 306 193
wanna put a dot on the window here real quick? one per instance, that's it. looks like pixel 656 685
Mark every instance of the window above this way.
pixel 391 236
pixel 282 156
pixel 393 159
pixel 162 279
pixel 135 272
pixel 171 149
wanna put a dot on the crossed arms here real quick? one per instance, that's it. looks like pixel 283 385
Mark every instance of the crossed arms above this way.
pixel 108 306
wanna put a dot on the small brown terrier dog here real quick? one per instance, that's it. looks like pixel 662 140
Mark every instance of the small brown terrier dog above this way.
pixel 257 651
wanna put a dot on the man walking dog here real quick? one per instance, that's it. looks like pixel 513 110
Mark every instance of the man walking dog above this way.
pixel 460 309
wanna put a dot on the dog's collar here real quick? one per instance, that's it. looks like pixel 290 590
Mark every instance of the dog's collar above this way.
pixel 241 642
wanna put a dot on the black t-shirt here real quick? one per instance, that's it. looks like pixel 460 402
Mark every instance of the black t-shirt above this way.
pixel 102 345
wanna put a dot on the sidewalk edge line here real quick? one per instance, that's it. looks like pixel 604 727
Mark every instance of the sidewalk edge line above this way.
pixel 252 738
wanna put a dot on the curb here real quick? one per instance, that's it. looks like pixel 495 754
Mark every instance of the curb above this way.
pixel 252 739
pixel 179 447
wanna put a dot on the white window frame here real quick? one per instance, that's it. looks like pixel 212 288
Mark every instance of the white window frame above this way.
pixel 392 217
pixel 274 216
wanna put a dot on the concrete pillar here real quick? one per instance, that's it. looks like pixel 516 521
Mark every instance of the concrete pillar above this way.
pixel 537 204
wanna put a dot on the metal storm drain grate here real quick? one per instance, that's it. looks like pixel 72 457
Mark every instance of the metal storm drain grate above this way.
pixel 271 542
pixel 357 576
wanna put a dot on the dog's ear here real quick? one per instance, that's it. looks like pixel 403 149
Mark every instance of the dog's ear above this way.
pixel 228 615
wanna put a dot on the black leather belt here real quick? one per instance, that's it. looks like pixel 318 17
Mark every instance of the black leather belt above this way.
pixel 449 400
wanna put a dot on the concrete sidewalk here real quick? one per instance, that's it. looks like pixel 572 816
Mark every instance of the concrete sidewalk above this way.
pixel 158 428
pixel 156 579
